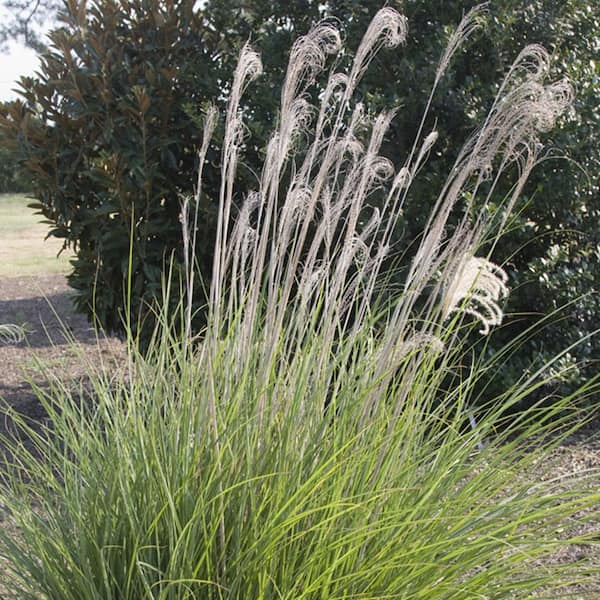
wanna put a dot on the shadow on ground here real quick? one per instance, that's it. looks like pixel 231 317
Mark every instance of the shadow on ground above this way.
pixel 48 320
pixel 57 337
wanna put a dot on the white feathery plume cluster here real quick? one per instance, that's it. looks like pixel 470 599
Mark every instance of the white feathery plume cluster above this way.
pixel 307 60
pixel 476 288
pixel 465 28
pixel 11 334
pixel 249 67
pixel 508 136
pixel 387 29
pixel 303 261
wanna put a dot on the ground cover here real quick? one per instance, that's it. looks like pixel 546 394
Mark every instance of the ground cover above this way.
pixel 25 251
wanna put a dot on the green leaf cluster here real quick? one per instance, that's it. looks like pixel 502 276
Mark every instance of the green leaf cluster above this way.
pixel 12 178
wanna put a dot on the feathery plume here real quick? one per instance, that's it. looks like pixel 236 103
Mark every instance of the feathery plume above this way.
pixel 11 334
pixel 249 68
pixel 469 23
pixel 476 288
pixel 509 134
pixel 314 248
pixel 388 28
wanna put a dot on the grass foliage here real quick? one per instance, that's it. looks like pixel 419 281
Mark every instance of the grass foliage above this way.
pixel 321 439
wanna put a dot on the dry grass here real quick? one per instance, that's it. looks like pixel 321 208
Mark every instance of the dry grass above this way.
pixel 25 251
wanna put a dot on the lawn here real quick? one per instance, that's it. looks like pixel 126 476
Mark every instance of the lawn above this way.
pixel 25 251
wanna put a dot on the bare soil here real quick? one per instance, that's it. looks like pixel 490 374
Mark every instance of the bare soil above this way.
pixel 43 305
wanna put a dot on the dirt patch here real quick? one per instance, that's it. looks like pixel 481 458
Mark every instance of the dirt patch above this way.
pixel 55 336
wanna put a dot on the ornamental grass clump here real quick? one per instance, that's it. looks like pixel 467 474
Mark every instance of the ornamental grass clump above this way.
pixel 320 439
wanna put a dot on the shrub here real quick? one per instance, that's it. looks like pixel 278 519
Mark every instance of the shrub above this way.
pixel 106 132
pixel 304 448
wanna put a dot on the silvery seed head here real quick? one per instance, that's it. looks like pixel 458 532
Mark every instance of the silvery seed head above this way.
pixel 475 289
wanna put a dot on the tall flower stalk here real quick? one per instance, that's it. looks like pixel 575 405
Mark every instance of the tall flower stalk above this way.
pixel 318 246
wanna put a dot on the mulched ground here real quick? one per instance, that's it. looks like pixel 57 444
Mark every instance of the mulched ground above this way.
pixel 43 305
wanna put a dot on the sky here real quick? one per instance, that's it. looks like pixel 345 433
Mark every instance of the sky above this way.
pixel 15 62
